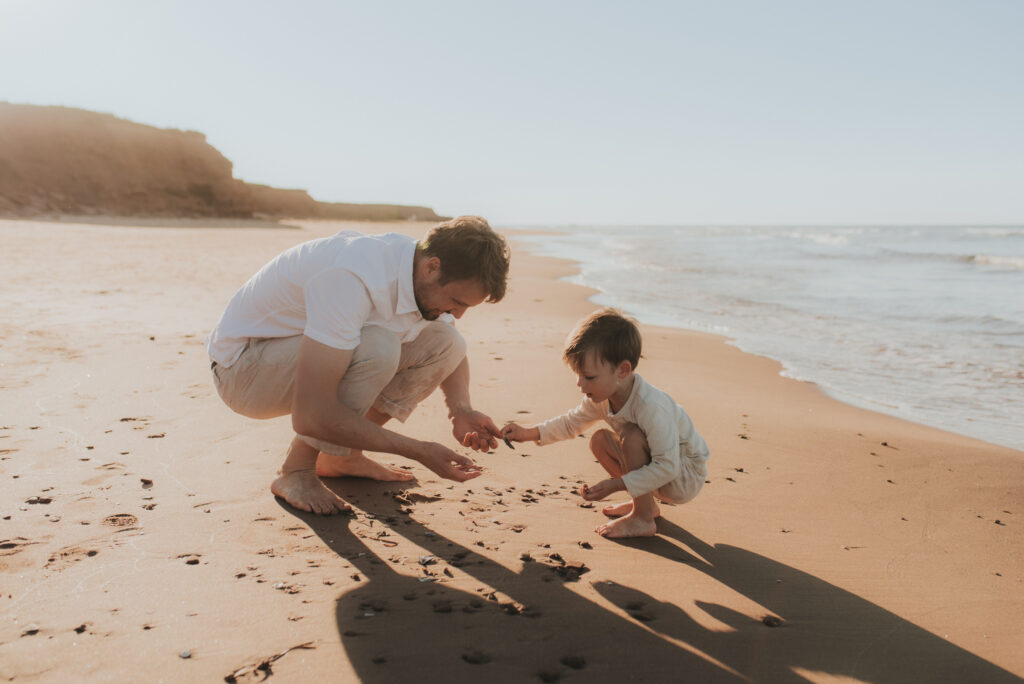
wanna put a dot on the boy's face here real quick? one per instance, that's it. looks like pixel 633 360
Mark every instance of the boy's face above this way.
pixel 598 379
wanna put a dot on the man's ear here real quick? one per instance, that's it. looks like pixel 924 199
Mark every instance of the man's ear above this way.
pixel 432 266
pixel 623 369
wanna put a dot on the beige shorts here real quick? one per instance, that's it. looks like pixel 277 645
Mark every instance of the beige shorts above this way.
pixel 693 472
pixel 384 373
pixel 683 489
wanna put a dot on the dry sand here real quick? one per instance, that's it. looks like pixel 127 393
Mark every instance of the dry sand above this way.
pixel 139 541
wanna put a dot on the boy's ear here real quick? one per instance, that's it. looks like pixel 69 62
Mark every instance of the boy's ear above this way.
pixel 623 369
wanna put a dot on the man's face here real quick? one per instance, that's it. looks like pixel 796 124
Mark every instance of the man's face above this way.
pixel 454 297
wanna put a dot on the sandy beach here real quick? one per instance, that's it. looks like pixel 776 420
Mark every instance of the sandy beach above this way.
pixel 139 539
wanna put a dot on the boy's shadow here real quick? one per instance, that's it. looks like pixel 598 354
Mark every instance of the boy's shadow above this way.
pixel 819 627
pixel 396 628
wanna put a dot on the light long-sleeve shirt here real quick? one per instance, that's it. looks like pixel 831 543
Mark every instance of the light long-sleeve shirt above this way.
pixel 670 433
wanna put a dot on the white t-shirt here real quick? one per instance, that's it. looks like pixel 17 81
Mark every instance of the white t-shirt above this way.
pixel 670 433
pixel 327 289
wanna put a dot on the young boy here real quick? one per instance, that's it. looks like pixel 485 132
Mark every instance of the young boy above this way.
pixel 654 449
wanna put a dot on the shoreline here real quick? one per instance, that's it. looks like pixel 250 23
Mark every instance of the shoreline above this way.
pixel 159 536
pixel 788 369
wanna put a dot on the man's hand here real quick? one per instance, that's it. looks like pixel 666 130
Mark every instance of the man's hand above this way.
pixel 601 489
pixel 475 430
pixel 447 463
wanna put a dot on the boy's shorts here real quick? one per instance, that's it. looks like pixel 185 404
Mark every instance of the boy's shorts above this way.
pixel 683 489
pixel 692 474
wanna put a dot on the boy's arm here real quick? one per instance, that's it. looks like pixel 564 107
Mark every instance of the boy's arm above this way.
pixel 569 424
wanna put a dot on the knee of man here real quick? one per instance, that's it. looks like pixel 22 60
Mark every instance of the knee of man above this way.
pixel 378 352
pixel 446 339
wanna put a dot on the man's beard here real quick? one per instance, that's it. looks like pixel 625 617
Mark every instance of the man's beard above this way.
pixel 426 313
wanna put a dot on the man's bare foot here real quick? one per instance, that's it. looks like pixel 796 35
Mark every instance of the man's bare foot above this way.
pixel 304 490
pixel 627 526
pixel 625 508
pixel 358 465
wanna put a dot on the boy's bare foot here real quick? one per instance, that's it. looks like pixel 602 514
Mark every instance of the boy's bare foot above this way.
pixel 304 490
pixel 625 508
pixel 627 526
pixel 356 464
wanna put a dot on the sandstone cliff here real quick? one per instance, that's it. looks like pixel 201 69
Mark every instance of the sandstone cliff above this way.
pixel 64 161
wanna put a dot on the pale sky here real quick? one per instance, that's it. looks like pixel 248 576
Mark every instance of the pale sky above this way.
pixel 554 112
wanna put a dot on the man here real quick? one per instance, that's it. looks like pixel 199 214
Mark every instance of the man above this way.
pixel 348 331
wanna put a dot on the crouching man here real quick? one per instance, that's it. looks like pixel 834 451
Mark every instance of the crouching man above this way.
pixel 345 333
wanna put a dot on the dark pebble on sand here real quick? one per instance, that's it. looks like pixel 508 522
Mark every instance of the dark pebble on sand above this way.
pixel 772 621
pixel 476 658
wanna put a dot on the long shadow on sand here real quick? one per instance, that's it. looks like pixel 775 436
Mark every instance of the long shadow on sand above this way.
pixel 396 628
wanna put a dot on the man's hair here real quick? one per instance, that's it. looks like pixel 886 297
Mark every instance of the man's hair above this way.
pixel 612 336
pixel 470 250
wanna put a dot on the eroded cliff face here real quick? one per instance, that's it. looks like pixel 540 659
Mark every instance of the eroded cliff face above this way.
pixel 59 160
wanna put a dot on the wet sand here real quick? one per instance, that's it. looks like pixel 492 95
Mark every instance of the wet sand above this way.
pixel 139 540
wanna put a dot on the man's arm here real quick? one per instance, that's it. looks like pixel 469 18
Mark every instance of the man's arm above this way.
pixel 317 413
pixel 471 428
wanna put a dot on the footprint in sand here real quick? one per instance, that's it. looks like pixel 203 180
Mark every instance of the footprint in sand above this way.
pixel 9 547
pixel 574 662
pixel 120 520
pixel 68 556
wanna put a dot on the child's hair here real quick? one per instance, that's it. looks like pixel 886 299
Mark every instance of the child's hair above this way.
pixel 614 337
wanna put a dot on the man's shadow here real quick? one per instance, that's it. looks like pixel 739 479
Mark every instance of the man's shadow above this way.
pixel 530 625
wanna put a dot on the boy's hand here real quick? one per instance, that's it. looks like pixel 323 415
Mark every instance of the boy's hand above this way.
pixel 601 489
pixel 518 433
pixel 475 430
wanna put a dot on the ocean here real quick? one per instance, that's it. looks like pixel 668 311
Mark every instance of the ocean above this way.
pixel 921 322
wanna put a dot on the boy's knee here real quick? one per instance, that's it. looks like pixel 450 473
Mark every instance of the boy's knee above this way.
pixel 634 440
pixel 603 441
